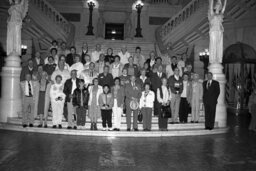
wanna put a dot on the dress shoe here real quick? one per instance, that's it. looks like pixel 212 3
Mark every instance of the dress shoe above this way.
pixel 128 129
pixel 192 122
pixel 40 126
pixel 45 126
pixel 172 122
pixel 60 126
pixel 117 129
pixel 75 127
pixel 31 125
pixel 54 126
pixel 136 129
pixel 196 122
pixel 24 125
pixel 69 127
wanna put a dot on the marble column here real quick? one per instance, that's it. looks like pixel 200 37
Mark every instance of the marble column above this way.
pixel 10 102
pixel 221 110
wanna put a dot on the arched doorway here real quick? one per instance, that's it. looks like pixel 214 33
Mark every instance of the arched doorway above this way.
pixel 239 62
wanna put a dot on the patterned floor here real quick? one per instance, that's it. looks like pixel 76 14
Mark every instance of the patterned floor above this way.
pixel 233 151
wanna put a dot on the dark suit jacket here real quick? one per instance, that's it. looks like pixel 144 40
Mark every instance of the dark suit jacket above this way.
pixel 108 79
pixel 175 85
pixel 68 88
pixel 26 71
pixel 135 67
pixel 131 92
pixel 210 95
pixel 70 59
pixel 77 97
pixel 156 81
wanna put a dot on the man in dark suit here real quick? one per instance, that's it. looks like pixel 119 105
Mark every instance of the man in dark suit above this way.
pixel 156 82
pixel 106 77
pixel 29 69
pixel 210 99
pixel 132 92
pixel 37 60
pixel 69 87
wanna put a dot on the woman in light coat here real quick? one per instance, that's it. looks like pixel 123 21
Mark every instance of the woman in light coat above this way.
pixel 93 104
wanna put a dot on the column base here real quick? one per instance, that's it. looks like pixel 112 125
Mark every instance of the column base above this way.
pixel 221 109
pixel 11 103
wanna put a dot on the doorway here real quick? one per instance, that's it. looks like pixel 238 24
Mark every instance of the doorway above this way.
pixel 114 31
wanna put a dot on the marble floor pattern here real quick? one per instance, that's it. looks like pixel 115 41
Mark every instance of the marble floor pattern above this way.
pixel 233 151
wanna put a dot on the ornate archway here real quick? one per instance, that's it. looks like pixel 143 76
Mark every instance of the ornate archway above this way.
pixel 239 66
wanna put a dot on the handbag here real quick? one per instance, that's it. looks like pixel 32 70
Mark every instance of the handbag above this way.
pixel 166 111
pixel 140 116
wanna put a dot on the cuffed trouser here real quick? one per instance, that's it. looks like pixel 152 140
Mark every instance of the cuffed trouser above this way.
pixel 28 110
pixel 117 114
pixel 195 109
pixel 184 109
pixel 71 112
pixel 147 117
pixel 175 105
pixel 57 112
pixel 128 116
pixel 106 116
pixel 81 116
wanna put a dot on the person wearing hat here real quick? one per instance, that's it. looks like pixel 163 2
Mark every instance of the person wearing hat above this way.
pixel 133 94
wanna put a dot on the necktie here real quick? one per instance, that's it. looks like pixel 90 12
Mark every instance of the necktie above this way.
pixel 29 89
pixel 208 84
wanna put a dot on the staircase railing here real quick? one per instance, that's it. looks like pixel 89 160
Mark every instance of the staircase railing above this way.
pixel 49 11
pixel 182 16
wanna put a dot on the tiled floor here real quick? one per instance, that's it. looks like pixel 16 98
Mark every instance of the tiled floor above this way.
pixel 233 151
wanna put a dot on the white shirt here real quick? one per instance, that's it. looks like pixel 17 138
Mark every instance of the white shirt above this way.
pixel 147 101
pixel 77 66
pixel 56 59
pixel 166 95
pixel 152 63
pixel 73 86
pixel 143 78
pixel 95 56
pixel 184 92
pixel 124 57
pixel 65 67
pixel 27 88
pixel 64 74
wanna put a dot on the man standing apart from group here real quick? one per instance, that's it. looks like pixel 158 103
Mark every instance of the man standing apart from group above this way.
pixel 210 99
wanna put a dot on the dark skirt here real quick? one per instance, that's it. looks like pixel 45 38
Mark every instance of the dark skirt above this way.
pixel 41 102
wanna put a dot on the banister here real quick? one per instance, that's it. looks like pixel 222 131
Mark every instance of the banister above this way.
pixel 181 16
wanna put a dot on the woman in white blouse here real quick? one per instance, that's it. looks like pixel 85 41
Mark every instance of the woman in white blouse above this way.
pixel 163 97
pixel 146 105
pixel 116 67
pixel 57 100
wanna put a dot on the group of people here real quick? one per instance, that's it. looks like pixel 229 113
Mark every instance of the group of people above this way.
pixel 107 86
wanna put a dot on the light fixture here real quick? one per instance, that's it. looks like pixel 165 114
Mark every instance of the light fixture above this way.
pixel 24 49
pixel 113 32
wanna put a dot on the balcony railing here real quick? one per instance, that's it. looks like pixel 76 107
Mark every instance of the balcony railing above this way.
pixel 53 15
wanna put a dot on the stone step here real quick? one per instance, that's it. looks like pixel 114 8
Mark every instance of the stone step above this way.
pixel 187 126
pixel 114 134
